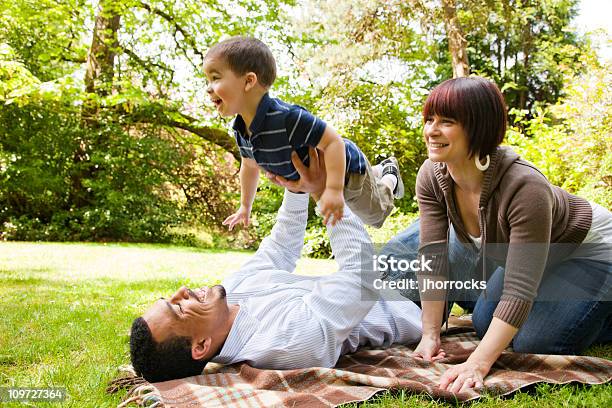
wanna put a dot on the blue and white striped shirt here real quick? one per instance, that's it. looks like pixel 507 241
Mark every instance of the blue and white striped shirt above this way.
pixel 290 321
pixel 278 129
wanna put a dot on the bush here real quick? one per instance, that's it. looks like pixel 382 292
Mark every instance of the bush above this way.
pixel 191 236
pixel 316 241
pixel 62 181
pixel 570 141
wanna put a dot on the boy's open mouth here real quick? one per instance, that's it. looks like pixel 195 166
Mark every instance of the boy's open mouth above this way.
pixel 217 102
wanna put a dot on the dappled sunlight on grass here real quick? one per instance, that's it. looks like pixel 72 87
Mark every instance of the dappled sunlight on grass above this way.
pixel 129 262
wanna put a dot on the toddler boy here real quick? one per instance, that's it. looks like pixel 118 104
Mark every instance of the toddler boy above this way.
pixel 240 71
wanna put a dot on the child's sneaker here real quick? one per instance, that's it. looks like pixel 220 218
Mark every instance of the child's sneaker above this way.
pixel 390 166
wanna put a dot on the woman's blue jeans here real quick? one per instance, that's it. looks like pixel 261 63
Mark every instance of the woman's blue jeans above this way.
pixel 568 324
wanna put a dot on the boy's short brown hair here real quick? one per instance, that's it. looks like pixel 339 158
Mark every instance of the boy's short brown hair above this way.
pixel 246 54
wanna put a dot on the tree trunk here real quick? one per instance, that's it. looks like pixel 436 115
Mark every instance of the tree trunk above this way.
pixel 457 44
pixel 98 80
pixel 101 56
pixel 524 85
pixel 499 56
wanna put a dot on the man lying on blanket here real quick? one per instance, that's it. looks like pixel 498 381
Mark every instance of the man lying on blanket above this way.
pixel 269 317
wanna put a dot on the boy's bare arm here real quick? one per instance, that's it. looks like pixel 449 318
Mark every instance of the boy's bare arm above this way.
pixel 335 161
pixel 332 199
pixel 249 178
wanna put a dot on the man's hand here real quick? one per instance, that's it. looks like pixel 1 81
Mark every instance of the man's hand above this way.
pixel 242 216
pixel 312 178
pixel 332 205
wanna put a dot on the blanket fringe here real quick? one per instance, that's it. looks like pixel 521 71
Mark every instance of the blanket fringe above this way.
pixel 140 392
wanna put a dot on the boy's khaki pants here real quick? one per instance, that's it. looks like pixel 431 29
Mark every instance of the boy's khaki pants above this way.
pixel 369 198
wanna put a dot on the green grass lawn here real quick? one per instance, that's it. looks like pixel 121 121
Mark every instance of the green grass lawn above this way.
pixel 66 311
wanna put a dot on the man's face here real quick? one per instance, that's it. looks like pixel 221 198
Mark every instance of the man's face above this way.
pixel 195 314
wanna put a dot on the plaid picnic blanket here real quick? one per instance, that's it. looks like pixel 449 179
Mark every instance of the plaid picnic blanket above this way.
pixel 358 376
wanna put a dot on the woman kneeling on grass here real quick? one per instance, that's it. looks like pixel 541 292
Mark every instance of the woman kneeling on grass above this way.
pixel 487 214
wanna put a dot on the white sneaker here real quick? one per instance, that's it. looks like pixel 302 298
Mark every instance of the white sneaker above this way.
pixel 390 166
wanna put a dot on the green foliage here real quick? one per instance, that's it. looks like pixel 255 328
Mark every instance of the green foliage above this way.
pixel 267 202
pixel 84 166
pixel 206 182
pixel 197 237
pixel 316 242
pixel 527 47
pixel 112 164
pixel 397 222
pixel 45 34
pixel 377 123
pixel 13 74
pixel 571 142
pixel 363 68
pixel 46 194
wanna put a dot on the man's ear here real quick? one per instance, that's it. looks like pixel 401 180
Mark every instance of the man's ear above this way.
pixel 200 348
pixel 250 81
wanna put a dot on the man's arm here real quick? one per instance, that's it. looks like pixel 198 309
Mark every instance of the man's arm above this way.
pixel 282 248
pixel 343 299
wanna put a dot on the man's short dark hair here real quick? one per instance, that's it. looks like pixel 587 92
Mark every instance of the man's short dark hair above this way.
pixel 161 361
pixel 477 104
pixel 246 54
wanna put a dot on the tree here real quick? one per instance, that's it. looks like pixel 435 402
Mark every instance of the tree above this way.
pixel 365 67
pixel 96 155
pixel 120 84
pixel 457 44
pixel 104 44
pixel 526 46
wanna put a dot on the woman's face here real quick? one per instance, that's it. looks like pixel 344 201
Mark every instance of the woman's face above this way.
pixel 446 140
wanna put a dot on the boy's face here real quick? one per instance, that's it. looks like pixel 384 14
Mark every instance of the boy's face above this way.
pixel 225 88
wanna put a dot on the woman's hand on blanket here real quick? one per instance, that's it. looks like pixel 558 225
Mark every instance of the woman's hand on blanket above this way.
pixel 464 376
pixel 312 178
pixel 429 348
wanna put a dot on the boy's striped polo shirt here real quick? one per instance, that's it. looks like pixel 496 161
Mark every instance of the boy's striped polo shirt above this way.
pixel 280 128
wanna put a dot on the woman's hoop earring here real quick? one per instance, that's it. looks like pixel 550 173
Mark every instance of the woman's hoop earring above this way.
pixel 479 166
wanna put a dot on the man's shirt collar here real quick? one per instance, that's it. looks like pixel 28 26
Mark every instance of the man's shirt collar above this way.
pixel 242 330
